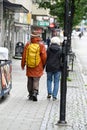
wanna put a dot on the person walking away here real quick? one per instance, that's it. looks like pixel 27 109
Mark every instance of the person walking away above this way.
pixel 53 65
pixel 80 35
pixel 48 41
pixel 34 67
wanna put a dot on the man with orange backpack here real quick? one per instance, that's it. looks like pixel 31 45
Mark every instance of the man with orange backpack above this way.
pixel 34 71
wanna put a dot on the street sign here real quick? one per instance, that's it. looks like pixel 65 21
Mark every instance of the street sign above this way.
pixel 43 23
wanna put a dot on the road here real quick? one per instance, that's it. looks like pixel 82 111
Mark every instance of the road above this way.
pixel 79 46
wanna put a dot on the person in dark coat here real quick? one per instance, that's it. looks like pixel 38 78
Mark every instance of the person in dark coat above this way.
pixel 53 63
pixel 48 41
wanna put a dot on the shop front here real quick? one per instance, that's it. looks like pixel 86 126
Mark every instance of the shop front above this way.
pixel 7 23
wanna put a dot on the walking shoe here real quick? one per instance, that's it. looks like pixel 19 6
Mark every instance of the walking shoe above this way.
pixel 35 95
pixel 35 98
pixel 54 98
pixel 30 97
pixel 49 96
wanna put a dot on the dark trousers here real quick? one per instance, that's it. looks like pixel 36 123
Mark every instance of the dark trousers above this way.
pixel 32 84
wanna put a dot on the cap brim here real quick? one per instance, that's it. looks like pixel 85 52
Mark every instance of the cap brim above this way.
pixel 35 35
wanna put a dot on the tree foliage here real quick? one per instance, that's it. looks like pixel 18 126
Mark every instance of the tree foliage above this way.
pixel 57 8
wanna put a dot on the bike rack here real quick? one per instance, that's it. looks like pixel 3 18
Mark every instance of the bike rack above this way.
pixel 71 58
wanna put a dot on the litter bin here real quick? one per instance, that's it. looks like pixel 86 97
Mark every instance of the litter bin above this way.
pixel 19 49
pixel 5 72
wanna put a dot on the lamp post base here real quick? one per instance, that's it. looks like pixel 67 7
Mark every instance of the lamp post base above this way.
pixel 61 123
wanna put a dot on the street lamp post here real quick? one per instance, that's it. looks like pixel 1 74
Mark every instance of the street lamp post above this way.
pixel 70 20
pixel 68 17
pixel 63 88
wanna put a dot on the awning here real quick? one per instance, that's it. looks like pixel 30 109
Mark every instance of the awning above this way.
pixel 17 8
pixel 21 24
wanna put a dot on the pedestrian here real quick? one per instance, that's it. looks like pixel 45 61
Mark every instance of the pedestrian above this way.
pixel 80 35
pixel 48 41
pixel 53 65
pixel 34 73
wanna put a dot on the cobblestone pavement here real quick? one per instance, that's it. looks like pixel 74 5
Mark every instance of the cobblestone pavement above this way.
pixel 17 112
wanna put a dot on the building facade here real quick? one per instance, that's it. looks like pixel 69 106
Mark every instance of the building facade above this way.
pixel 18 18
pixel 12 25
pixel 42 21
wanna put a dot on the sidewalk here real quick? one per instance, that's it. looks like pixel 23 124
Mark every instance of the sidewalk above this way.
pixel 18 113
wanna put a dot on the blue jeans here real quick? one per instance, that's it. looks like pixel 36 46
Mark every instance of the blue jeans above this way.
pixel 53 77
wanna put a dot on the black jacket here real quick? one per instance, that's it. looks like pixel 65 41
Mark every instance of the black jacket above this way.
pixel 53 62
